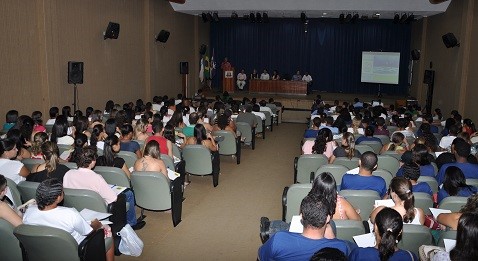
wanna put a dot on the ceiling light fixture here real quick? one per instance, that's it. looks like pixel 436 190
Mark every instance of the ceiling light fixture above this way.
pixel 209 17
pixel 258 17
pixel 204 17
pixel 252 17
pixel 341 18
pixel 265 17
pixel 348 18
pixel 404 18
pixel 234 15
pixel 215 17
pixel 303 18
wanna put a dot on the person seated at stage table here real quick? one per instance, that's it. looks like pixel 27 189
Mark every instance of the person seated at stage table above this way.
pixel 241 80
pixel 265 75
pixel 275 75
pixel 307 78
pixel 254 74
pixel 297 76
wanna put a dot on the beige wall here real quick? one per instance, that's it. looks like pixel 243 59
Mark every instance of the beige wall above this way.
pixel 40 37
pixel 455 68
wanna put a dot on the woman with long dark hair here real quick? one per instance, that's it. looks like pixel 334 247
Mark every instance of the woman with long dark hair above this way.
pixel 347 148
pixel 51 168
pixel 388 232
pixel 400 191
pixel 80 141
pixel 109 159
pixel 455 184
pixel 151 160
pixel 323 144
pixel 59 132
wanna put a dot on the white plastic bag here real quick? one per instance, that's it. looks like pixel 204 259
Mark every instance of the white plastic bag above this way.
pixel 130 243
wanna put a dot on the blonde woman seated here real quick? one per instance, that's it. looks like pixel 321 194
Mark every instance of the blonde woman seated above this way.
pixel 151 160
pixel 346 148
pixel 400 191
pixel 140 130
pixel 398 144
pixel 356 127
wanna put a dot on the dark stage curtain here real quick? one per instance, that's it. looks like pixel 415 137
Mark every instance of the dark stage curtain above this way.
pixel 331 52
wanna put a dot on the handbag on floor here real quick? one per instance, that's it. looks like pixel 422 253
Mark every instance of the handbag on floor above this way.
pixel 130 243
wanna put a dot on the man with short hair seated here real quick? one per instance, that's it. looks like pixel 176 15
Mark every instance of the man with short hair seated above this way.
pixel 329 121
pixel 364 180
pixel 312 133
pixel 247 116
pixel 461 149
pixel 286 245
pixel 188 131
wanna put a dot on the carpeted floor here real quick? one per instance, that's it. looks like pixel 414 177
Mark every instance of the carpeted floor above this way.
pixel 222 223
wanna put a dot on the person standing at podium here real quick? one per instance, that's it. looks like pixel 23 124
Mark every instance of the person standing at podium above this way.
pixel 265 75
pixel 241 80
pixel 226 65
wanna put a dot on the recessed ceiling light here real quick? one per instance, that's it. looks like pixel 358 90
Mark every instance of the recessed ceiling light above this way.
pixel 324 13
pixel 377 14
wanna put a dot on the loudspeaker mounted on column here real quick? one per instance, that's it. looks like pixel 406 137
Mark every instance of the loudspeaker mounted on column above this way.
pixel 415 54
pixel 429 77
pixel 183 67
pixel 75 72
pixel 203 49
pixel 450 40
pixel 163 36
pixel 112 31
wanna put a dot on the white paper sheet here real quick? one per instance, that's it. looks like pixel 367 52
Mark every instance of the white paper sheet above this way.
pixel 449 244
pixel 353 171
pixel 90 215
pixel 117 189
pixel 438 211
pixel 365 240
pixel 172 175
pixel 296 225
pixel 384 202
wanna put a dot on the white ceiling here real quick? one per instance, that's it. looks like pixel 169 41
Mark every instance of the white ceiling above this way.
pixel 313 8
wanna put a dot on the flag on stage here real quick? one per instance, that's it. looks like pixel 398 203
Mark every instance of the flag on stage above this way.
pixel 201 71
pixel 213 65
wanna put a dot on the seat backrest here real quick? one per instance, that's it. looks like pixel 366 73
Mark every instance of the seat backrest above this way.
pixel 168 161
pixel 432 182
pixel 71 165
pixel 472 182
pixel 392 129
pixel 141 144
pixel 84 198
pixel 392 154
pixel 414 236
pixel 10 247
pixel 12 186
pixel 29 163
pixel 295 194
pixel 245 130
pixel 375 145
pixel 113 176
pixel 62 148
pixel 151 190
pixel 337 171
pixel 384 138
pixel 177 151
pixel 198 160
pixel 347 229
pixel 453 203
pixel 389 163
pixel 363 148
pixel 128 156
pixel 47 243
pixel 385 174
pixel 361 200
pixel 227 146
pixel 424 201
pixel 28 190
pixel 268 118
pixel 449 234
pixel 307 164
pixel 259 127
pixel 349 163
pixel 49 128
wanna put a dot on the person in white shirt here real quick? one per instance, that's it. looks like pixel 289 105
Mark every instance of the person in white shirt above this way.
pixel 256 110
pixel 263 107
pixel 307 78
pixel 265 75
pixel 47 213
pixel 241 80
pixel 446 141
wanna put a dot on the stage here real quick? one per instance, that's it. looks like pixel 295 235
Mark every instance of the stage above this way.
pixel 296 108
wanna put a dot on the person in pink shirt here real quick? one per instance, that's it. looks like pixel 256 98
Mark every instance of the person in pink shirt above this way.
pixel 85 178
pixel 323 144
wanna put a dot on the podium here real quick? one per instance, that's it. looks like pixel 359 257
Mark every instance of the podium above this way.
pixel 228 81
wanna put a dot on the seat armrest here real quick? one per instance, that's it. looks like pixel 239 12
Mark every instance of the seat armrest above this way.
pixel 93 246
pixel 284 203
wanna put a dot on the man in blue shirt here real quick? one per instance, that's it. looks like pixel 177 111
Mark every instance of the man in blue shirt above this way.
pixel 461 149
pixel 329 121
pixel 365 180
pixel 312 133
pixel 285 245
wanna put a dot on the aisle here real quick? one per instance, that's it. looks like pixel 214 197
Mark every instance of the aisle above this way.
pixel 222 223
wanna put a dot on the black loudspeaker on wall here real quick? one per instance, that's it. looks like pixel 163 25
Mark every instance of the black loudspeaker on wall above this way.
pixel 183 67
pixel 163 36
pixel 429 77
pixel 112 31
pixel 203 49
pixel 450 40
pixel 415 54
pixel 75 72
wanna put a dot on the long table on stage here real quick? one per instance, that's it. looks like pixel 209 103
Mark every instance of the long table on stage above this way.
pixel 278 87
